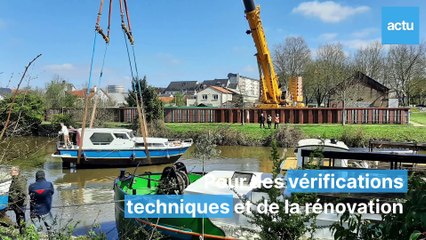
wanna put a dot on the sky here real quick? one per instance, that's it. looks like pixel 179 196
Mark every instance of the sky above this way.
pixel 175 40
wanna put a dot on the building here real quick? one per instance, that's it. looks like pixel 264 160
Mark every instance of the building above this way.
pixel 249 88
pixel 185 87
pixel 212 96
pixel 117 95
pixel 4 92
pixel 360 90
pixel 103 97
pixel 216 82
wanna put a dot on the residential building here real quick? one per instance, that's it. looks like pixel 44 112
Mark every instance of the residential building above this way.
pixel 185 87
pixel 4 92
pixel 117 95
pixel 216 82
pixel 103 97
pixel 248 87
pixel 212 96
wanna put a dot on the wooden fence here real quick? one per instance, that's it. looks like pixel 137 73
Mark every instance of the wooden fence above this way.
pixel 286 115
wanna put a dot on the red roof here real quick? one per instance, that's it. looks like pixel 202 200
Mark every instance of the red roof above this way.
pixel 166 99
pixel 82 93
pixel 221 89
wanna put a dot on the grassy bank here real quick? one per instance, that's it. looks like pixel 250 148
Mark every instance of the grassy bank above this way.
pixel 354 135
pixel 418 117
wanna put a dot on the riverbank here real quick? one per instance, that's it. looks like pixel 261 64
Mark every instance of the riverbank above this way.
pixel 287 135
pixel 352 135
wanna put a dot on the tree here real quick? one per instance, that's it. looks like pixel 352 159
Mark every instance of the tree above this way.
pixel 27 113
pixel 205 147
pixel 57 96
pixel 281 225
pixel 329 68
pixel 370 60
pixel 179 99
pixel 418 91
pixel 152 105
pixel 291 57
pixel 405 63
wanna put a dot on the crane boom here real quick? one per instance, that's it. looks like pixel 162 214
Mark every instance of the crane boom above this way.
pixel 270 91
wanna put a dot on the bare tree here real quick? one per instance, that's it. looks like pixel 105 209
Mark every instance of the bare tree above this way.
pixel 326 72
pixel 405 63
pixel 370 60
pixel 291 57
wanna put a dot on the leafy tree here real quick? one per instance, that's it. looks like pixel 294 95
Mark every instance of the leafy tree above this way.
pixel 152 105
pixel 27 112
pixel 57 96
pixel 282 225
pixel 179 99
pixel 205 147
pixel 410 224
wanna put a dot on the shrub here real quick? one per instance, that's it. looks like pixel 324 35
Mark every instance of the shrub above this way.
pixel 65 118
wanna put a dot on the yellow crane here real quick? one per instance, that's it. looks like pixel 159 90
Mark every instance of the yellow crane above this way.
pixel 271 94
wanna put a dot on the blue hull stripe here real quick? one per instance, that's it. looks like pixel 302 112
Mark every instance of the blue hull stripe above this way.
pixel 123 153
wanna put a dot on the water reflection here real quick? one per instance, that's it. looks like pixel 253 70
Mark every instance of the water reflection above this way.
pixel 85 195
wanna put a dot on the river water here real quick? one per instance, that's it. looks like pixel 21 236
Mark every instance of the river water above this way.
pixel 81 194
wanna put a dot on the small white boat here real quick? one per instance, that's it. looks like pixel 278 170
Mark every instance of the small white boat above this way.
pixel 320 145
pixel 114 147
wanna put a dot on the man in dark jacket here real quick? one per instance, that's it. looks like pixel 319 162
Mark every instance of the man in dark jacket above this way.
pixel 17 196
pixel 41 202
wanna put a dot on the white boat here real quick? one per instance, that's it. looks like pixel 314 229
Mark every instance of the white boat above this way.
pixel 114 147
pixel 5 181
pixel 320 145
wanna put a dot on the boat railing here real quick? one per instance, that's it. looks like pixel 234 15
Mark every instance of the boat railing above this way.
pixel 415 146
pixel 395 161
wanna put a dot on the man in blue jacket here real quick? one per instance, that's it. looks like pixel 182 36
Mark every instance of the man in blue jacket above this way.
pixel 41 202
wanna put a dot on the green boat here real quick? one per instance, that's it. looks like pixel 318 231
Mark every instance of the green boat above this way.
pixel 169 228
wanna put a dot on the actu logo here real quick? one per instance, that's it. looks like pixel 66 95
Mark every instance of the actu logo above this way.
pixel 400 25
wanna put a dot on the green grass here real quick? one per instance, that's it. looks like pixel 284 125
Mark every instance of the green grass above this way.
pixel 418 117
pixel 385 132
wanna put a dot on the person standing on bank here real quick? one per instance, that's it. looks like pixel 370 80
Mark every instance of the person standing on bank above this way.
pixel 41 202
pixel 277 121
pixel 17 196
pixel 262 120
pixel 269 121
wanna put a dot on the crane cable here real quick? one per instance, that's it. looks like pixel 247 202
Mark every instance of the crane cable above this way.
pixel 98 30
pixel 107 40
pixel 127 33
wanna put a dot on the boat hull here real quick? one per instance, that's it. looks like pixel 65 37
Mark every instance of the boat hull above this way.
pixel 118 158
pixel 170 228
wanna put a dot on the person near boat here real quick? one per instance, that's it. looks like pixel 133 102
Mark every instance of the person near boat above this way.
pixel 17 196
pixel 66 133
pixel 41 202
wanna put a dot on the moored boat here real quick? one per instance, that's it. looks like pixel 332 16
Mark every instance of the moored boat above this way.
pixel 320 145
pixel 185 228
pixel 117 147
pixel 5 182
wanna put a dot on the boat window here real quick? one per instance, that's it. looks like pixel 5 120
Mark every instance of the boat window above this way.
pixel 121 135
pixel 150 144
pixel 101 138
pixel 242 177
